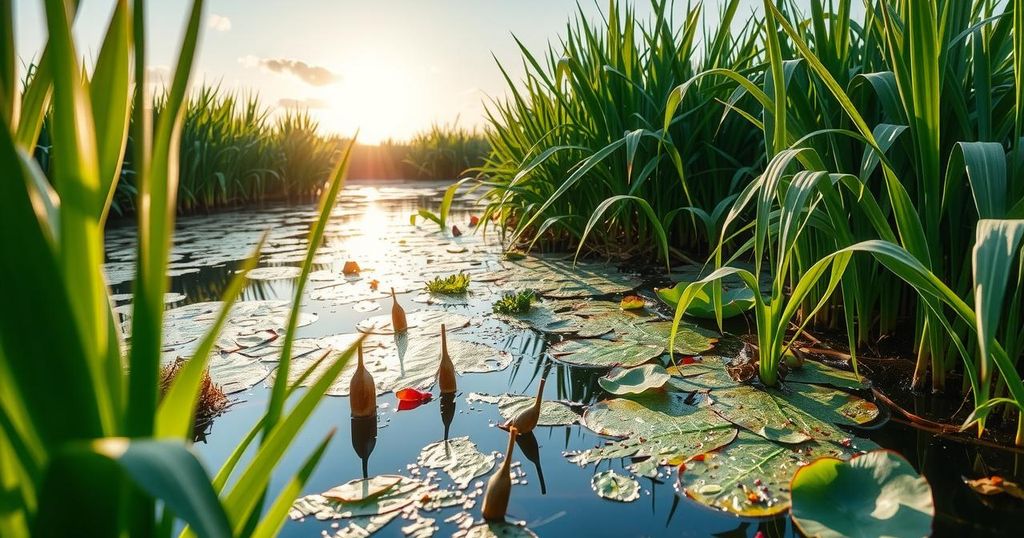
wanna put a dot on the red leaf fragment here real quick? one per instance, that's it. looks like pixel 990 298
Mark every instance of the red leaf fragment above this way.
pixel 473 220
pixel 456 232
pixel 410 394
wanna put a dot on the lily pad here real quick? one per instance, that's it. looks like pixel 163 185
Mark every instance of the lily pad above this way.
pixel 816 373
pixel 552 413
pixel 735 300
pixel 428 320
pixel 417 366
pixel 634 380
pixel 285 272
pixel 458 457
pixel 611 485
pixel 750 476
pixel 598 353
pixel 662 428
pixel 358 491
pixel 875 494
pixel 495 529
pixel 690 339
pixel 404 492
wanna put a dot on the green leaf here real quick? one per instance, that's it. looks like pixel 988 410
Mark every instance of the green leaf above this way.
pixel 170 473
pixel 623 381
pixel 735 301
pixel 876 494
pixel 598 353
pixel 611 485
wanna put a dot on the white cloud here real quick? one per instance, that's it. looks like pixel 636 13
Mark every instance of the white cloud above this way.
pixel 219 23
pixel 314 75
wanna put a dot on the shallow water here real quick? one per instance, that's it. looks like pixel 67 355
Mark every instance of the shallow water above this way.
pixel 365 227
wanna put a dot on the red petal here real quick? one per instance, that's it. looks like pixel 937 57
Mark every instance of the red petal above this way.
pixel 410 394
pixel 405 405
pixel 473 220
pixel 688 360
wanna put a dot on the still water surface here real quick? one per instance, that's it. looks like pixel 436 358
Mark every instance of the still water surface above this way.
pixel 553 497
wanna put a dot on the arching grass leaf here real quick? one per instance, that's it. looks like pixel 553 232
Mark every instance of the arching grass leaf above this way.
pixel 735 301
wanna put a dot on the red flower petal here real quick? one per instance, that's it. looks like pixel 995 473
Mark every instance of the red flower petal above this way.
pixel 410 394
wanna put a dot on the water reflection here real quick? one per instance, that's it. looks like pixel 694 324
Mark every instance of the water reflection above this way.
pixel 364 439
pixel 531 450
pixel 447 412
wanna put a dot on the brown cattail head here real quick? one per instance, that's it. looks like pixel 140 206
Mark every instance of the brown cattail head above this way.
pixel 398 321
pixel 362 390
pixel 446 368
pixel 499 487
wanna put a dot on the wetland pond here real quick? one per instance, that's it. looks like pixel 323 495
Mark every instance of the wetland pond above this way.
pixel 572 336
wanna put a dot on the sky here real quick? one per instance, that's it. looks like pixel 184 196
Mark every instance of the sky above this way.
pixel 387 67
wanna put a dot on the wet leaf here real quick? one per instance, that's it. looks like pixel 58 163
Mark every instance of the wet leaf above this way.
pixel 821 374
pixel 358 491
pixel 552 413
pixel 495 529
pixel 350 268
pixel 458 457
pixel 404 492
pixel 735 300
pixel 616 487
pixel 994 485
pixel 634 380
pixel 417 366
pixel 874 494
pixel 429 321
pixel 659 427
pixel 598 353
pixel 750 476
pixel 274 273
pixel 690 339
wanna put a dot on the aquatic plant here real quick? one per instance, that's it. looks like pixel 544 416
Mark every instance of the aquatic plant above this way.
pixel 362 390
pixel 526 420
pixel 399 322
pixel 499 486
pixel 78 458
pixel 514 303
pixel 446 368
pixel 211 400
pixel 451 284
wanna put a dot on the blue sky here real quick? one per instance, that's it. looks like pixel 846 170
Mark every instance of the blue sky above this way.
pixel 388 67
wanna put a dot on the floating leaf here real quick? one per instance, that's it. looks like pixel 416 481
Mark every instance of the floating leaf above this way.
pixel 358 491
pixel 690 339
pixel 634 380
pixel 350 268
pixel 429 321
pixel 994 485
pixel 750 476
pixel 274 273
pixel 417 366
pixel 612 485
pixel 552 413
pixel 875 494
pixel 821 374
pixel 404 492
pixel 735 300
pixel 495 529
pixel 660 427
pixel 598 353
pixel 458 457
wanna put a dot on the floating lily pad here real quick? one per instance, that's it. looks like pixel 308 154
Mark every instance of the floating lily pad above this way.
pixel 690 339
pixel 875 494
pixel 458 457
pixel 543 317
pixel 662 428
pixel 274 273
pixel 750 476
pixel 611 485
pixel 358 491
pixel 598 353
pixel 552 413
pixel 634 380
pixel 821 374
pixel 700 376
pixel 429 321
pixel 417 366
pixel 404 492
pixel 495 529
pixel 735 300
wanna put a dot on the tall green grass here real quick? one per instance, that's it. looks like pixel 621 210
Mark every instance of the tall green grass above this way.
pixel 795 140
pixel 86 445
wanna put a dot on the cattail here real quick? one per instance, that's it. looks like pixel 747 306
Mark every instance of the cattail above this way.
pixel 527 419
pixel 397 315
pixel 500 485
pixel 362 392
pixel 445 370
